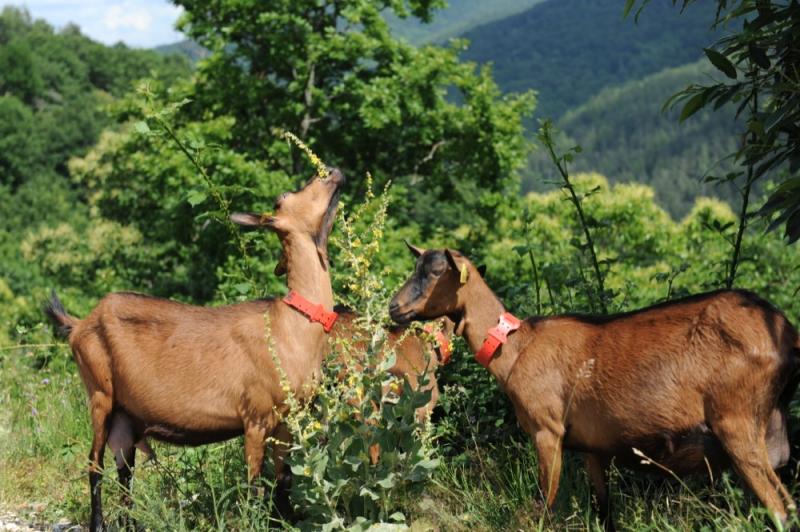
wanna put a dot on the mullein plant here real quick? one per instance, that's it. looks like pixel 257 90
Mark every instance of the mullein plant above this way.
pixel 358 452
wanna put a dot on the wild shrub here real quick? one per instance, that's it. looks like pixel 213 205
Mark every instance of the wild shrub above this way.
pixel 358 451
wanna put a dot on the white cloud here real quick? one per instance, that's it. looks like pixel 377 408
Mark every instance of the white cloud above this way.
pixel 121 16
pixel 139 23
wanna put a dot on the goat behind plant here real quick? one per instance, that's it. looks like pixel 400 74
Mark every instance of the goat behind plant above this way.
pixel 417 353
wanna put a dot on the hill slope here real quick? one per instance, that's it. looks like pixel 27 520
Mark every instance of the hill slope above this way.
pixel 55 87
pixel 569 50
pixel 458 17
pixel 193 51
pixel 625 136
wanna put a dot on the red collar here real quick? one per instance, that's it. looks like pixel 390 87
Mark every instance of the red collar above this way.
pixel 315 313
pixel 444 343
pixel 496 336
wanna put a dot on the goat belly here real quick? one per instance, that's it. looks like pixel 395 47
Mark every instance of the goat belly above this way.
pixel 688 452
pixel 181 436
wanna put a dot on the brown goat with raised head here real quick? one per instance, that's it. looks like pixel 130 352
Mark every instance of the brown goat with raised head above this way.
pixel 707 377
pixel 192 375
pixel 413 353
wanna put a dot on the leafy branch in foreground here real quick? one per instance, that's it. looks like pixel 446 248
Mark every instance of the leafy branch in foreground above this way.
pixel 761 65
pixel 161 115
pixel 545 136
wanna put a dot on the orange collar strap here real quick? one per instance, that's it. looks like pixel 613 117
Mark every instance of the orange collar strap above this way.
pixel 444 344
pixel 497 336
pixel 315 313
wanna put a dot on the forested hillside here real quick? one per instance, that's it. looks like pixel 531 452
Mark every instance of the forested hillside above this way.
pixel 457 17
pixel 625 134
pixel 55 89
pixel 193 51
pixel 569 50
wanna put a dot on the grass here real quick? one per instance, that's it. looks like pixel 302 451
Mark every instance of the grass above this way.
pixel 45 435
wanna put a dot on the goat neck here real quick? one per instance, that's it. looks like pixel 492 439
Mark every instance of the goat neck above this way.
pixel 306 274
pixel 481 311
pixel 301 343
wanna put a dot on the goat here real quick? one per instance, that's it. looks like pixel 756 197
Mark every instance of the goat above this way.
pixel 193 375
pixel 412 353
pixel 705 378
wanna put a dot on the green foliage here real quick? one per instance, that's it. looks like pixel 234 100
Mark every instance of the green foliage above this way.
pixel 19 73
pixel 626 136
pixel 760 62
pixel 569 50
pixel 146 209
pixel 331 73
pixel 54 87
pixel 457 17
pixel 62 79
pixel 179 201
pixel 360 454
pixel 600 296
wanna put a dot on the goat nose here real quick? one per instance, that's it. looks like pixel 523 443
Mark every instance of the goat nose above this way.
pixel 336 176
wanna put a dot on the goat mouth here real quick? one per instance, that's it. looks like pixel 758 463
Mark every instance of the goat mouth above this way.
pixel 403 317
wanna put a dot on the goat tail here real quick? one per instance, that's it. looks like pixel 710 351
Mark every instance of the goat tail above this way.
pixel 55 312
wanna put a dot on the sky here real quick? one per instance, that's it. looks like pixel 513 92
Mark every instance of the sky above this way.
pixel 137 23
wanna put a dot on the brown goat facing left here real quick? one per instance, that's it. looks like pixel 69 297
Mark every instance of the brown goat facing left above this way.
pixel 193 375
pixel 691 383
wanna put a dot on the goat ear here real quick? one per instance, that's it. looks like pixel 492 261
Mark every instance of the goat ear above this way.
pixel 414 249
pixel 482 270
pixel 450 259
pixel 252 219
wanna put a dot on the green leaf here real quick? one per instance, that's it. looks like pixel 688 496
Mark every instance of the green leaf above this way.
pixel 243 288
pixel 196 197
pixel 722 63
pixel 694 104
pixel 521 249
pixel 628 6
pixel 387 483
pixel 141 127
pixel 397 517
pixel 369 493
pixel 428 464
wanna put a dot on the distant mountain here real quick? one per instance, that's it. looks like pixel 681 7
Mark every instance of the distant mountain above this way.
pixel 569 50
pixel 188 48
pixel 458 17
pixel 625 136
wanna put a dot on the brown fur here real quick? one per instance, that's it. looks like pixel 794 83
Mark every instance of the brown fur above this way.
pixel 192 375
pixel 706 377
pixel 414 355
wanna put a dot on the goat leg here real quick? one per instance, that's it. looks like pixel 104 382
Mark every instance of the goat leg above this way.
pixel 750 458
pixel 100 410
pixel 548 448
pixel 283 474
pixel 597 469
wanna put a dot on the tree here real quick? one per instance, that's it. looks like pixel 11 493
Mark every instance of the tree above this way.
pixel 331 72
pixel 761 61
